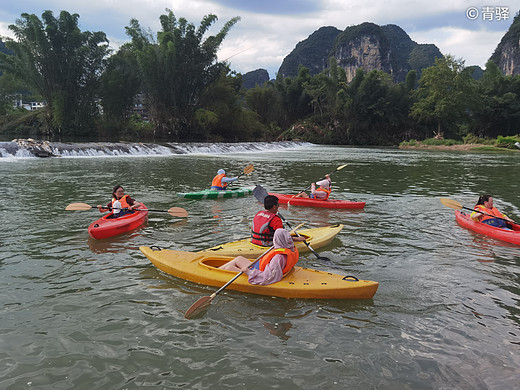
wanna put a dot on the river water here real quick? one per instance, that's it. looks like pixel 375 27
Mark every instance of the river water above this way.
pixel 78 313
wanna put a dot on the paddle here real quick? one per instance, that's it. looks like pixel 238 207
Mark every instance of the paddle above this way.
pixel 453 204
pixel 260 193
pixel 309 186
pixel 174 211
pixel 204 302
pixel 247 170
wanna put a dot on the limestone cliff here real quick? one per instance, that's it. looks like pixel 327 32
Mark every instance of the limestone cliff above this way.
pixel 368 46
pixel 507 53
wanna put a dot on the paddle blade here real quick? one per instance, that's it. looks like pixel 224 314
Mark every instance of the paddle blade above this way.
pixel 297 227
pixel 260 193
pixel 198 307
pixel 341 167
pixel 452 204
pixel 78 206
pixel 250 168
pixel 178 212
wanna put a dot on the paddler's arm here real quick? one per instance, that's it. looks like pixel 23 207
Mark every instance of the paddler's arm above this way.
pixel 476 216
pixel 104 209
pixel 135 205
pixel 229 179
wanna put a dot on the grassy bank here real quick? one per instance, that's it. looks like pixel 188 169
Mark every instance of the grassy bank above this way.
pixel 469 142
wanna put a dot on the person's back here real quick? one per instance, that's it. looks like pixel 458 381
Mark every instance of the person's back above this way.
pixel 220 181
pixel 266 222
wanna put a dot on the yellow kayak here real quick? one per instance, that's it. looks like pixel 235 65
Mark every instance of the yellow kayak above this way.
pixel 298 283
pixel 316 238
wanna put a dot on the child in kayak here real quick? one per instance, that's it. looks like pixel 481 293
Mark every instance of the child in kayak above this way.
pixel 220 181
pixel 271 267
pixel 322 193
pixel 485 205
pixel 121 204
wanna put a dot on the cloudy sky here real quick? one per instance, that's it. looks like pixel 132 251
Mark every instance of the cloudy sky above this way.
pixel 270 29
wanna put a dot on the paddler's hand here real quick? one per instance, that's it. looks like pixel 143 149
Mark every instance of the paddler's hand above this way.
pixel 298 239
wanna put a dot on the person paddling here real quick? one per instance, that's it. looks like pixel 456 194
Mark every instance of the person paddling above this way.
pixel 322 193
pixel 220 181
pixel 266 222
pixel 271 267
pixel 121 204
pixel 485 205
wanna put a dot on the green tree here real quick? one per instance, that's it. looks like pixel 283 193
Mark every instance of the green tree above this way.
pixel 58 61
pixel 264 102
pixel 291 95
pixel 444 96
pixel 119 84
pixel 323 89
pixel 177 68
pixel 368 108
pixel 222 115
pixel 499 113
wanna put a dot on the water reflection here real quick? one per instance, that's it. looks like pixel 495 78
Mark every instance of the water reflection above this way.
pixel 278 329
pixel 115 244
pixel 446 314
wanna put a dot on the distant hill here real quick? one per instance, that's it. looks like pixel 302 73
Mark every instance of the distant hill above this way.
pixel 313 53
pixel 255 78
pixel 507 53
pixel 4 49
pixel 367 45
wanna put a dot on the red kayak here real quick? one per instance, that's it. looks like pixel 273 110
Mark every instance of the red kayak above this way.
pixel 329 203
pixel 106 226
pixel 512 236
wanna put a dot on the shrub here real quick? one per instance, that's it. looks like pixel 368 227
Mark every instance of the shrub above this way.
pixel 507 142
pixel 445 142
pixel 474 139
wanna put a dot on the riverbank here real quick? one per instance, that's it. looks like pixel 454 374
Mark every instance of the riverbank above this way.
pixel 461 147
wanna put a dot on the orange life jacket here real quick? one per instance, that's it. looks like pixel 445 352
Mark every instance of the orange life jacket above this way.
pixel 326 191
pixel 217 182
pixel 292 258
pixel 494 211
pixel 124 203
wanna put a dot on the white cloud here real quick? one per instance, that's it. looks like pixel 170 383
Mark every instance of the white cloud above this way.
pixel 262 39
pixel 474 47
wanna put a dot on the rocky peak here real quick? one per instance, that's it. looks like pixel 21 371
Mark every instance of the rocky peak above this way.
pixel 507 53
pixel 363 46
pixel 368 46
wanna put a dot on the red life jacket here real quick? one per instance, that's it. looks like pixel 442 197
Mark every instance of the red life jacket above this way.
pixel 326 191
pixel 262 233
pixel 217 184
pixel 292 258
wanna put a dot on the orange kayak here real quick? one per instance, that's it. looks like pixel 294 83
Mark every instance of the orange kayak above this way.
pixel 106 226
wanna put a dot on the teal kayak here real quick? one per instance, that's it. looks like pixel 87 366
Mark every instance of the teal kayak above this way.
pixel 211 194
